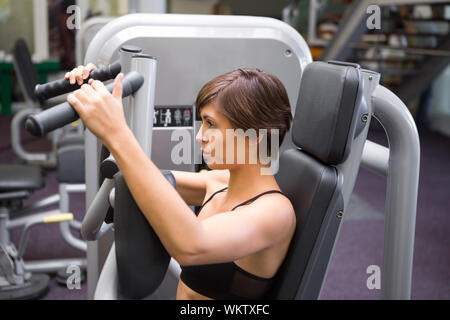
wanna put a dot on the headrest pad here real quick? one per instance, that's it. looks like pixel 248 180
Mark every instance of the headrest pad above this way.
pixel 329 110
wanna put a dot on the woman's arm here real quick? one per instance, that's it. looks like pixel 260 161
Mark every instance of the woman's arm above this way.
pixel 171 218
pixel 193 186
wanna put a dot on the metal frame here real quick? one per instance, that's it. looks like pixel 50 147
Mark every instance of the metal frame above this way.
pixel 40 158
pixel 401 194
pixel 83 32
pixel 26 220
pixel 64 206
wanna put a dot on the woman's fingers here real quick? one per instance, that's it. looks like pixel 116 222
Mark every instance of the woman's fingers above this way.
pixel 75 75
pixel 87 70
pixel 98 86
pixel 91 67
pixel 72 76
pixel 85 73
pixel 79 74
pixel 118 87
pixel 82 98
pixel 76 104
pixel 84 95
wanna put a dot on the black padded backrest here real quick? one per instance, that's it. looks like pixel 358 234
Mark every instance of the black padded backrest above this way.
pixel 329 110
pixel 25 69
pixel 142 260
pixel 327 119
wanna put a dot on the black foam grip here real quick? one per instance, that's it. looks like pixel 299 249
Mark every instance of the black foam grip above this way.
pixel 109 168
pixel 58 87
pixel 62 114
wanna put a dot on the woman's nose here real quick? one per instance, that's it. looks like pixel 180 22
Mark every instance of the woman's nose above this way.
pixel 200 136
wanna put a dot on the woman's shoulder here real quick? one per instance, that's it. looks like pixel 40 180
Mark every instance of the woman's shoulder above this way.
pixel 277 209
pixel 276 200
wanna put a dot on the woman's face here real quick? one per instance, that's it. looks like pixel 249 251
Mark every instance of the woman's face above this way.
pixel 221 149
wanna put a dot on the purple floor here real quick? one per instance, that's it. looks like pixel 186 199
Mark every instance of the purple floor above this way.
pixel 360 242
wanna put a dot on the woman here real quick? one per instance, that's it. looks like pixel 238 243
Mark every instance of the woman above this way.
pixel 236 244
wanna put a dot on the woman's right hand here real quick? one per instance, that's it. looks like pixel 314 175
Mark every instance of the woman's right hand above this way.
pixel 79 74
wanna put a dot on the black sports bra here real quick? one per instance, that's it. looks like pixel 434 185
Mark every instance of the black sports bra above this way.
pixel 226 281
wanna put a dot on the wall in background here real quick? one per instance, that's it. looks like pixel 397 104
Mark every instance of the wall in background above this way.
pixel 265 8
pixel 16 21
pixel 191 6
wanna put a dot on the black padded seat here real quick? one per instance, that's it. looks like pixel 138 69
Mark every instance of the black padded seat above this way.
pixel 20 177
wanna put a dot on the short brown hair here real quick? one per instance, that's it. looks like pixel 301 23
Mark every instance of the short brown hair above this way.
pixel 250 98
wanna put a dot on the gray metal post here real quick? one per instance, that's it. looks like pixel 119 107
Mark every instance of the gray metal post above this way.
pixel 142 103
pixel 375 157
pixel 4 236
pixel 94 249
pixel 125 53
pixel 401 201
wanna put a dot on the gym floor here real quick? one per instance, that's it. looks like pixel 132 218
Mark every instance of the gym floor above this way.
pixel 360 243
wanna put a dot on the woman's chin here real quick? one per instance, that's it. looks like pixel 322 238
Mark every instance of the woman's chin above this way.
pixel 213 165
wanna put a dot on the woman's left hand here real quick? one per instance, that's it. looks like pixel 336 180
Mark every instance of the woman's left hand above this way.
pixel 101 111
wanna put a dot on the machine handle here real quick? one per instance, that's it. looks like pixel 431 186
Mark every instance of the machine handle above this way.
pixel 62 114
pixel 58 87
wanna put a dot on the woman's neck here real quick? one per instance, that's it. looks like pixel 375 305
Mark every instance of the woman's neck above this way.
pixel 247 181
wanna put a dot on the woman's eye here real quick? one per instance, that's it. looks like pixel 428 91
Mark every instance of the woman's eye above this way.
pixel 210 124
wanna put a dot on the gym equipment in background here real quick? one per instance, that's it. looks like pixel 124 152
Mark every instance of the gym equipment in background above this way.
pixel 17 182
